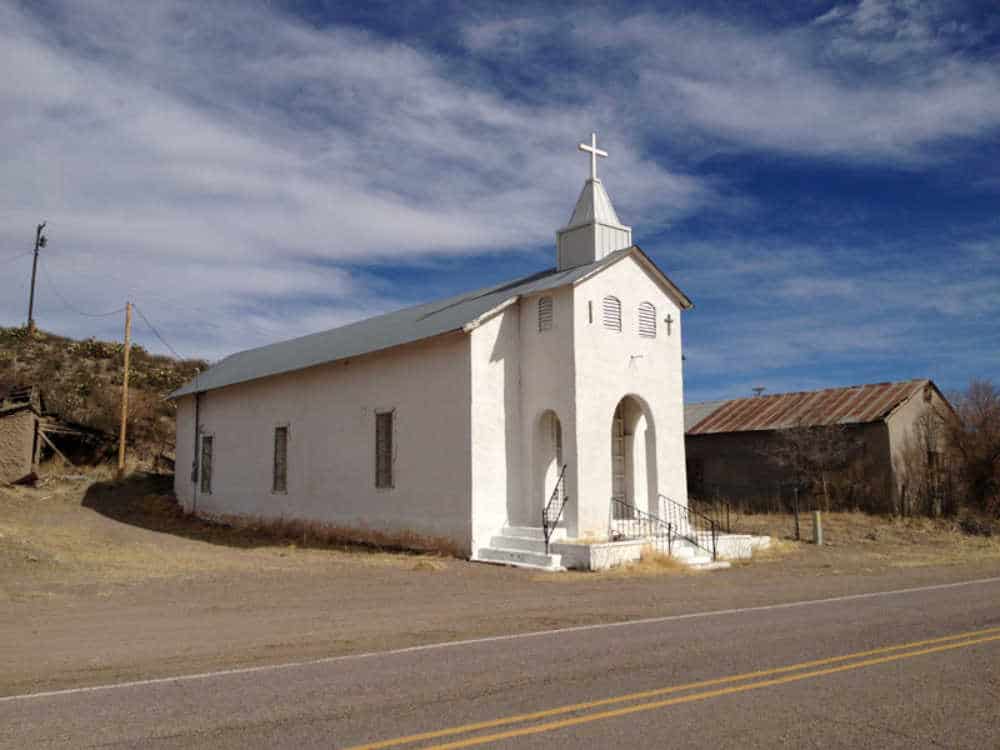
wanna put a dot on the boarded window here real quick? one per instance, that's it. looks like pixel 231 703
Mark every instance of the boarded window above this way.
pixel 544 313
pixel 280 481
pixel 206 463
pixel 647 320
pixel 612 313
pixel 383 449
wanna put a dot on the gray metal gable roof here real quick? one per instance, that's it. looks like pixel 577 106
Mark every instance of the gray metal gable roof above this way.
pixel 695 413
pixel 381 332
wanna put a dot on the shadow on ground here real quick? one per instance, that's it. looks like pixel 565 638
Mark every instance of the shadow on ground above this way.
pixel 146 500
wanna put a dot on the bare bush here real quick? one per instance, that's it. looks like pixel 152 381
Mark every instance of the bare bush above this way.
pixel 974 445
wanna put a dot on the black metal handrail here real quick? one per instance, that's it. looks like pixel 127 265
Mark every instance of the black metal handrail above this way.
pixel 721 511
pixel 628 522
pixel 696 527
pixel 553 509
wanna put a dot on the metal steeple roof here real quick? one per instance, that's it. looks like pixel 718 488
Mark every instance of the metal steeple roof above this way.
pixel 593 206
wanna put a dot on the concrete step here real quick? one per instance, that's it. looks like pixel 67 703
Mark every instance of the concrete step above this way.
pixel 526 543
pixel 709 565
pixel 533 532
pixel 519 558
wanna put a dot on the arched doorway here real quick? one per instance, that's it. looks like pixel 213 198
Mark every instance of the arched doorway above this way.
pixel 548 458
pixel 634 479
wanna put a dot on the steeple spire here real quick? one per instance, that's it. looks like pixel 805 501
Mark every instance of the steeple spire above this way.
pixel 594 229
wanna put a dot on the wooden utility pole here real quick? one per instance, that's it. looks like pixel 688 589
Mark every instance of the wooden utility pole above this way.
pixel 128 346
pixel 39 243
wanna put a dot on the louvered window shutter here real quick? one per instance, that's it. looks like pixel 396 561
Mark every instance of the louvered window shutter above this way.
pixel 280 482
pixel 545 314
pixel 612 313
pixel 647 320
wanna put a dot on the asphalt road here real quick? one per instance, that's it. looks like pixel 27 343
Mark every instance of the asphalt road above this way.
pixel 919 668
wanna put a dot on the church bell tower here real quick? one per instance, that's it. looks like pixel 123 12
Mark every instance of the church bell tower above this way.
pixel 593 230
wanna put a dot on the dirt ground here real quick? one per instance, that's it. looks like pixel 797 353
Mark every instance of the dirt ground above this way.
pixel 103 581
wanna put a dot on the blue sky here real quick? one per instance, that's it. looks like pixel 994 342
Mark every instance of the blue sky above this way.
pixel 822 178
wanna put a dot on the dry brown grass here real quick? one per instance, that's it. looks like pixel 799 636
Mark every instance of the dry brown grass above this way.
pixel 868 539
pixel 87 527
pixel 650 563
pixel 776 551
pixel 313 534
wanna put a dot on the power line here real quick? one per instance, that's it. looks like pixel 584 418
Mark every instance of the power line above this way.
pixel 157 333
pixel 70 306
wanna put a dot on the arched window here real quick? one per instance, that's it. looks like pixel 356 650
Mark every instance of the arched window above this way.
pixel 544 313
pixel 612 313
pixel 647 320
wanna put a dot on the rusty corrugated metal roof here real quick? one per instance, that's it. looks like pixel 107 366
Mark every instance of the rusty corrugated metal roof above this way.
pixel 856 404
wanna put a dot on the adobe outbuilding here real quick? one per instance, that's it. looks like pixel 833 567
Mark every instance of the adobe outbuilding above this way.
pixel 20 414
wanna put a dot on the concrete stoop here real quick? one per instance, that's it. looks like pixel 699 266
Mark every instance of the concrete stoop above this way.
pixel 522 547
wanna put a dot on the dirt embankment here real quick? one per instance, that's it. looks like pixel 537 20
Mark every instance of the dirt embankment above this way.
pixel 81 383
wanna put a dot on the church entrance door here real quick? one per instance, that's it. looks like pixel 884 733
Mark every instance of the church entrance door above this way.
pixel 633 458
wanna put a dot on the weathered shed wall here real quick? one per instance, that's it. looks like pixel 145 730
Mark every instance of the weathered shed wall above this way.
pixel 18 447
pixel 741 466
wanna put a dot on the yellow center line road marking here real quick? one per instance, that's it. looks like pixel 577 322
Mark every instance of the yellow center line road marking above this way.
pixel 600 716
pixel 573 708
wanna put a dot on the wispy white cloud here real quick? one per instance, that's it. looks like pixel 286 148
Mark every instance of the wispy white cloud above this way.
pixel 228 154
pixel 223 162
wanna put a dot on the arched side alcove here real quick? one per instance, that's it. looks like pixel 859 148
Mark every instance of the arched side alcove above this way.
pixel 634 476
pixel 547 462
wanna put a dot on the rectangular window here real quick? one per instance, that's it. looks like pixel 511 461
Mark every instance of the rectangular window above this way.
pixel 280 481
pixel 206 463
pixel 383 449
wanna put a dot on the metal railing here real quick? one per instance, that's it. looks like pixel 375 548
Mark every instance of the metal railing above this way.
pixel 721 511
pixel 553 509
pixel 628 522
pixel 697 528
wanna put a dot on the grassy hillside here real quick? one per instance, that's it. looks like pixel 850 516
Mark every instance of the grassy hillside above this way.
pixel 81 382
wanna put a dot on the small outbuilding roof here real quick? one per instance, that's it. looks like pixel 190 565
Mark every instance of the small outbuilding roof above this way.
pixel 856 404
pixel 400 327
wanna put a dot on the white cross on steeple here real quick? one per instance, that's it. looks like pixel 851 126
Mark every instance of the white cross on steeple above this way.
pixel 594 152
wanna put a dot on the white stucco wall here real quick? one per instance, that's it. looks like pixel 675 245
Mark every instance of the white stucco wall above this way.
pixel 330 411
pixel 611 365
pixel 547 384
pixel 495 416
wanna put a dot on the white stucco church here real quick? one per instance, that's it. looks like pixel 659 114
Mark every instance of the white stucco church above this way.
pixel 467 417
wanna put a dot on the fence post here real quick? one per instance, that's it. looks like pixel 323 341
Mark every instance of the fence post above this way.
pixel 795 510
pixel 715 551
pixel 818 528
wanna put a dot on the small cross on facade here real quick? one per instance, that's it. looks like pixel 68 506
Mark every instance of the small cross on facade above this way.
pixel 594 152
pixel 669 321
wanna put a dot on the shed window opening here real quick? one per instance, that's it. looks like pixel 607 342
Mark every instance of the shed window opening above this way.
pixel 545 314
pixel 612 309
pixel 647 320
pixel 383 449
pixel 207 445
pixel 279 482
